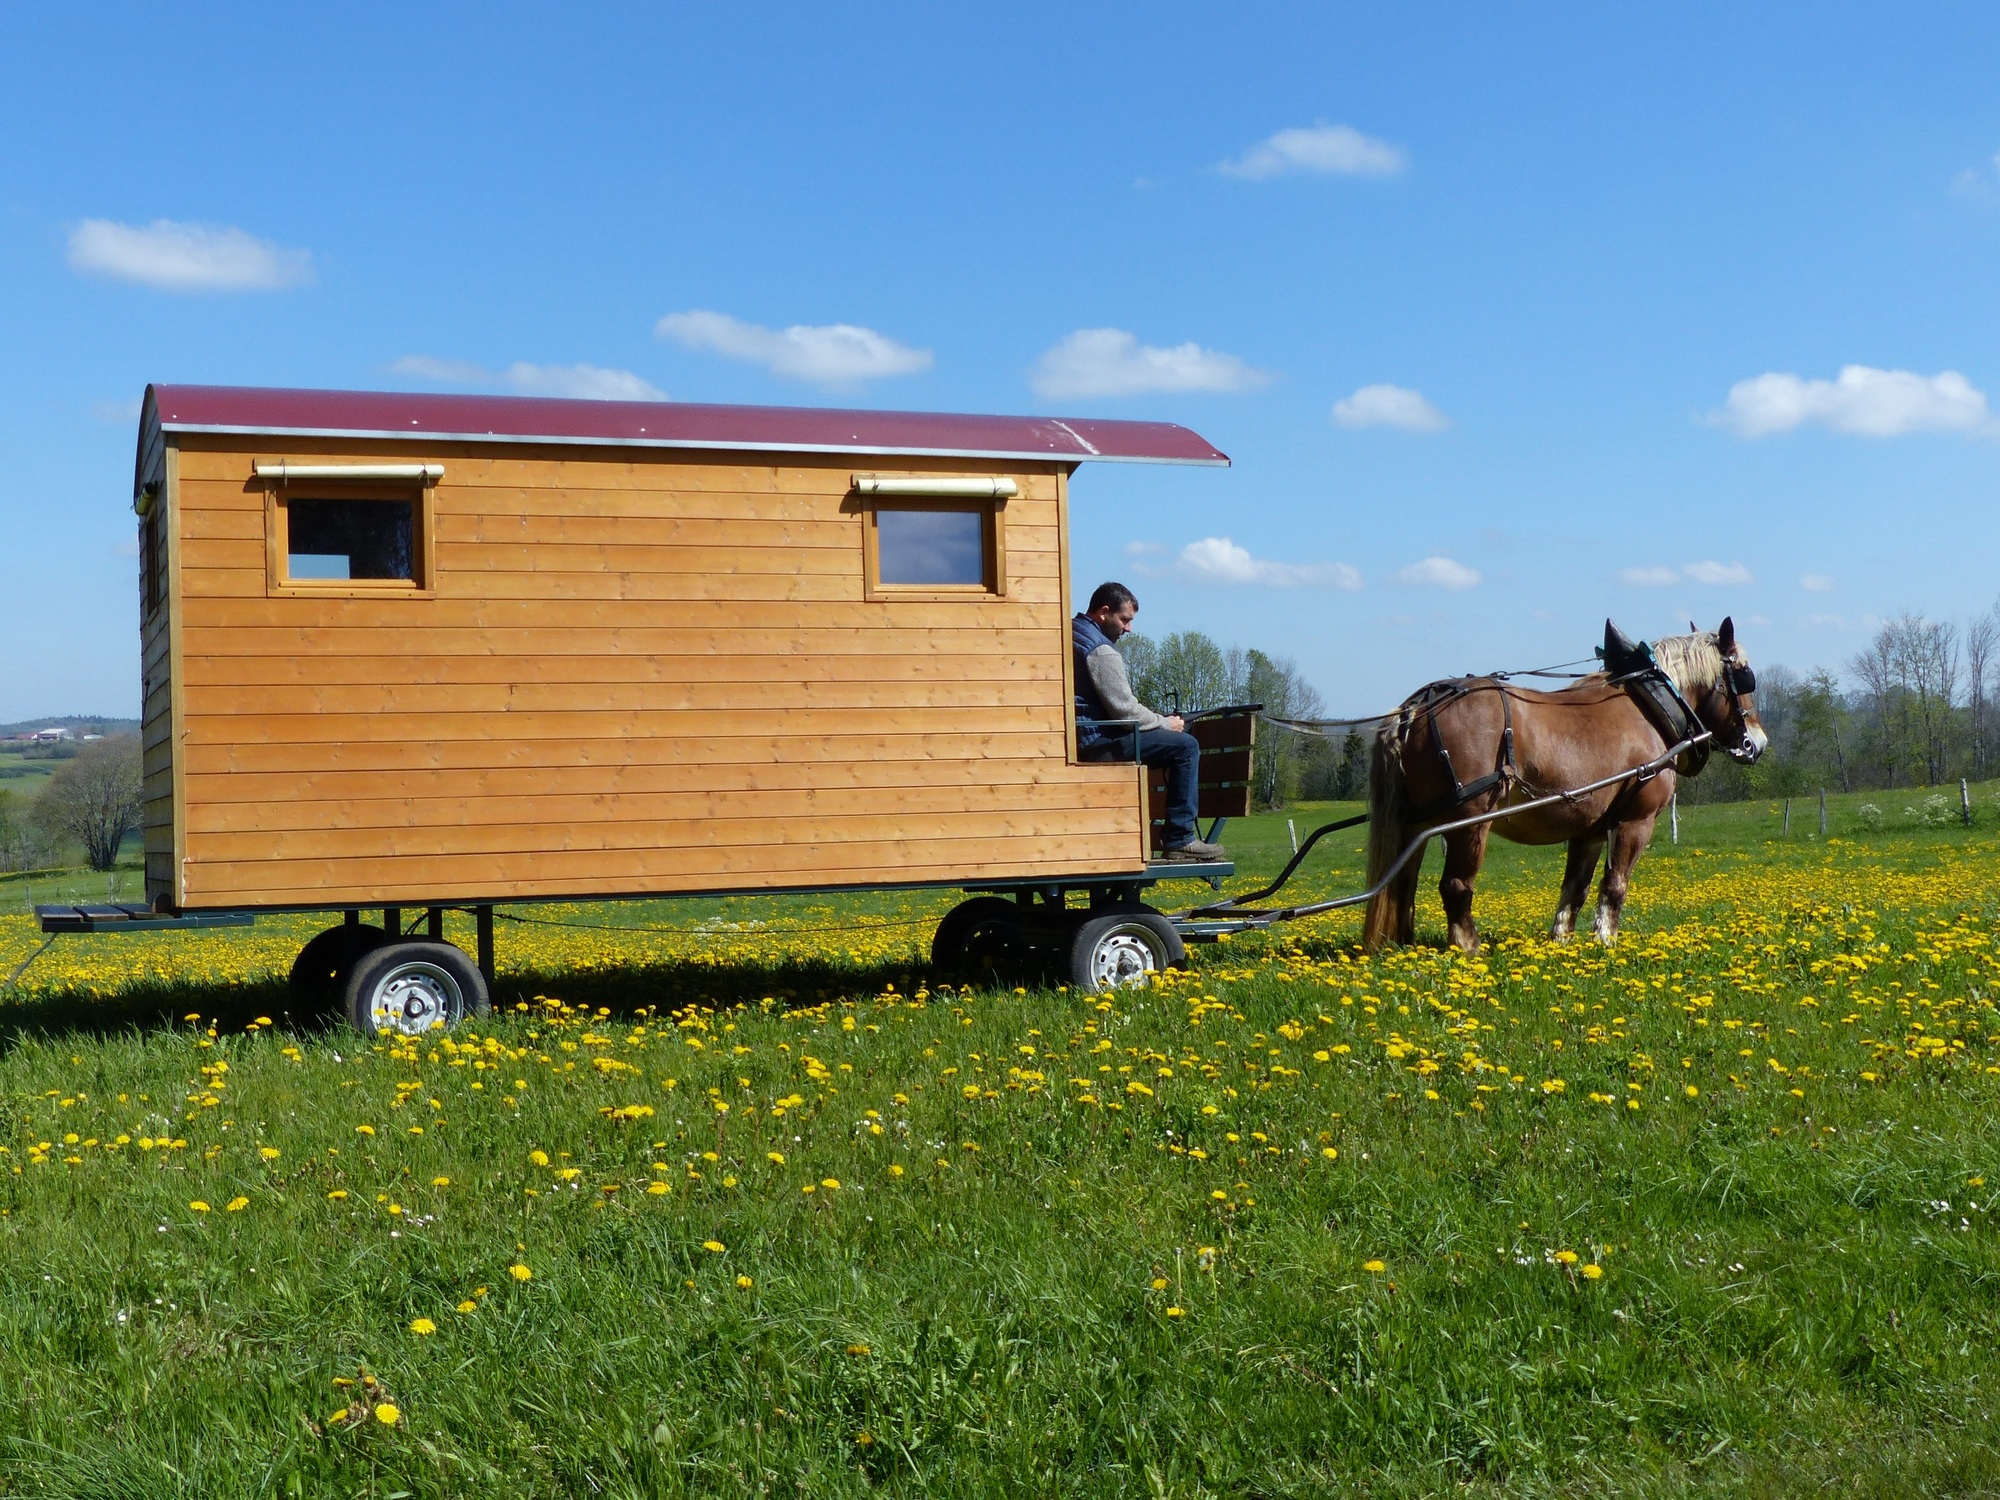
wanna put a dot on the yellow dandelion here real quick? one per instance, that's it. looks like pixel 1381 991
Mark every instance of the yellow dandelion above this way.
pixel 1591 1273
pixel 387 1414
pixel 714 1247
pixel 198 1206
pixel 1175 1312
pixel 744 1283
pixel 1567 1257
pixel 1159 1283
pixel 468 1306
pixel 830 1182
pixel 657 1189
pixel 775 1158
pixel 421 1326
pixel 236 1205
pixel 440 1182
pixel 519 1272
pixel 1374 1266
pixel 269 1153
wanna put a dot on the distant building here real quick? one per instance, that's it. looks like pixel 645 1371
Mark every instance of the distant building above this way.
pixel 44 735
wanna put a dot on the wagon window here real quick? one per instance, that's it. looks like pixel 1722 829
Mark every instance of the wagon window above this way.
pixel 935 548
pixel 931 546
pixel 347 540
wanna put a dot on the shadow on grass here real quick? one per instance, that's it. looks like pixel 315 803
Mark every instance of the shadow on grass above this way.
pixel 622 992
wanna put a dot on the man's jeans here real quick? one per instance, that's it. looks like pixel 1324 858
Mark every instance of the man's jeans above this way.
pixel 1180 754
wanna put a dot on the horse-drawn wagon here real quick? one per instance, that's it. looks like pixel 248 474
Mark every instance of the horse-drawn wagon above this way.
pixel 409 653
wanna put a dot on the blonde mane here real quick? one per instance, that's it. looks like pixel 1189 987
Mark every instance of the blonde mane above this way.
pixel 1693 662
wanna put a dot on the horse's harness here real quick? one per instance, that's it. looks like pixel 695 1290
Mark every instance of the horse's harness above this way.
pixel 1628 664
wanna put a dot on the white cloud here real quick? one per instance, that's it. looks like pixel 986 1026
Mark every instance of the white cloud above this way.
pixel 1111 362
pixel 1697 572
pixel 1863 401
pixel 116 413
pixel 186 257
pixel 1438 573
pixel 578 382
pixel 582 382
pixel 1978 182
pixel 443 371
pixel 1816 583
pixel 1216 559
pixel 838 354
pixel 1329 150
pixel 1712 572
pixel 1649 578
pixel 1389 406
pixel 1144 549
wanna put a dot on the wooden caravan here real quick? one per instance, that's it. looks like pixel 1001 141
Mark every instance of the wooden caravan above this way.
pixel 422 650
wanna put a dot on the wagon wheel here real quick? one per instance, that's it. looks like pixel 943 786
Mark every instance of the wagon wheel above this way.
pixel 408 989
pixel 1115 949
pixel 977 936
pixel 319 973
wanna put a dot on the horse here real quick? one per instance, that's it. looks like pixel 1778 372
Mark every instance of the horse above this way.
pixel 1540 743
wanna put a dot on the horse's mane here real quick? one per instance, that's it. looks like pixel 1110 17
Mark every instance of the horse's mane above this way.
pixel 1693 661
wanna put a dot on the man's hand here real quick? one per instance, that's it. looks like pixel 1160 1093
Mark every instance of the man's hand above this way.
pixel 1176 723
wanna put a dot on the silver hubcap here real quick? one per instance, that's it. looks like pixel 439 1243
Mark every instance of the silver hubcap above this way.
pixel 414 997
pixel 1121 958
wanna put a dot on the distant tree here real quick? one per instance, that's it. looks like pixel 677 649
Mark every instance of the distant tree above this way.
pixel 1982 654
pixel 23 843
pixel 96 798
pixel 1819 727
pixel 1185 669
pixel 1277 683
pixel 1910 675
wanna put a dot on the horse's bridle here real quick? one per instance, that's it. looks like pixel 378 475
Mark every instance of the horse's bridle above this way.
pixel 1738 682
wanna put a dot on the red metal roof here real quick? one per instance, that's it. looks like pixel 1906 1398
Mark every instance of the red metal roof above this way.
pixel 667 424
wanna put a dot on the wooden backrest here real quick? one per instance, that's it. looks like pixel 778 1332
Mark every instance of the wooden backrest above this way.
pixel 1227 738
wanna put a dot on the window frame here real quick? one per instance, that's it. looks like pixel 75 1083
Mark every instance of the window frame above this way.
pixel 991 510
pixel 278 496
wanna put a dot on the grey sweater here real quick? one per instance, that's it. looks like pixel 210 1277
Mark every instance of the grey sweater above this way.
pixel 1114 689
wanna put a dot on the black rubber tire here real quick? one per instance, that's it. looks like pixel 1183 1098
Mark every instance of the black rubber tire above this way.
pixel 977 936
pixel 319 973
pixel 1108 950
pixel 437 984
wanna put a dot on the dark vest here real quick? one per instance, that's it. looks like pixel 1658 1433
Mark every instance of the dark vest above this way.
pixel 1084 638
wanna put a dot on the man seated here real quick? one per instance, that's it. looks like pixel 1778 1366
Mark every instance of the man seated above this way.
pixel 1104 697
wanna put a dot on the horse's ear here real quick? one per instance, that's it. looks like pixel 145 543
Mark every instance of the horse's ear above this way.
pixel 1696 629
pixel 1725 636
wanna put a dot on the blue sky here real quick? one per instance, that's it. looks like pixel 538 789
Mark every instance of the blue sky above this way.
pixel 1510 319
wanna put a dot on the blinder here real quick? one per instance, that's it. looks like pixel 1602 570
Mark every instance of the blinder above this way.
pixel 1738 680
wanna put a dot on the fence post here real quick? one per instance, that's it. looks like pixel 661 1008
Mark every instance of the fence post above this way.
pixel 1787 829
pixel 1293 829
pixel 1822 812
pixel 1965 801
pixel 1674 816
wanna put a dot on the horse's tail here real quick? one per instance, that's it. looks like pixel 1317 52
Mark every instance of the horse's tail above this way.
pixel 1388 809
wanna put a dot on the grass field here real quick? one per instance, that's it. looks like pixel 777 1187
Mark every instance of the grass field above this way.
pixel 748 1206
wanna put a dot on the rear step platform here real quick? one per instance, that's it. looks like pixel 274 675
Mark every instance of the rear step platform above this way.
pixel 131 918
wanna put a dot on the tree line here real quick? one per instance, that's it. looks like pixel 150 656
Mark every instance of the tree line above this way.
pixel 1188 672
pixel 1919 706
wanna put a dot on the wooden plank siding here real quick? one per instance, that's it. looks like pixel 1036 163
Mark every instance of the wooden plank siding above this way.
pixel 639 673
